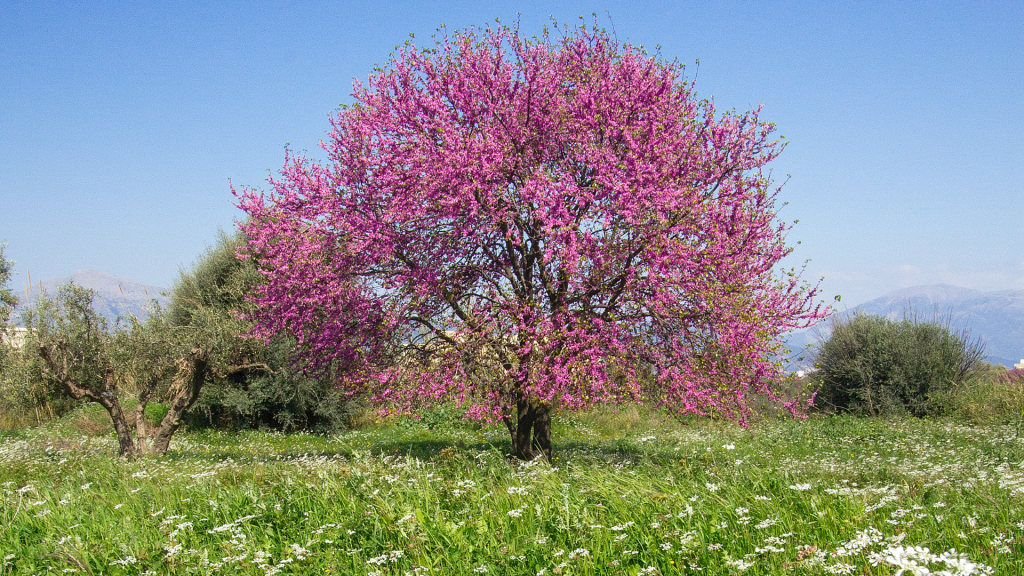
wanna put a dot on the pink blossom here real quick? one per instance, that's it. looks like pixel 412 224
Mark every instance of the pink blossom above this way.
pixel 559 219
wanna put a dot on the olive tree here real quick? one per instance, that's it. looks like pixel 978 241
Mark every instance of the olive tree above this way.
pixel 89 359
pixel 7 298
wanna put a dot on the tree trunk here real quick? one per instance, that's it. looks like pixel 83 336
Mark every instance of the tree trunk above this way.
pixel 185 396
pixel 141 426
pixel 531 431
pixel 162 438
pixel 542 431
pixel 108 400
pixel 522 446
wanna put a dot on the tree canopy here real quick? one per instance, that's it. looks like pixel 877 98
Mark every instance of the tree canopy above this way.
pixel 7 303
pixel 519 223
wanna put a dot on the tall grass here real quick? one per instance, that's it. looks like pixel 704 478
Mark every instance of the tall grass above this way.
pixel 629 493
pixel 991 396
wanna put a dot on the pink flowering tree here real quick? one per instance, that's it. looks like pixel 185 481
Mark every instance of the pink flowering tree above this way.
pixel 522 224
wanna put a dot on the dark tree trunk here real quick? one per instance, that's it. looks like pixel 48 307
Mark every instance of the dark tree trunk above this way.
pixel 522 446
pixel 542 431
pixel 124 434
pixel 531 431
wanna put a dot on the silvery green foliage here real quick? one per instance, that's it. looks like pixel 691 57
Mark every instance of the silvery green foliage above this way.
pixel 274 392
pixel 7 298
pixel 876 366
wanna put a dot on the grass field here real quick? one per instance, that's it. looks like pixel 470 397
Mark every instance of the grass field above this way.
pixel 630 493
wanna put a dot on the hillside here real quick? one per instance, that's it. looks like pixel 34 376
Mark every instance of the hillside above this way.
pixel 116 296
pixel 996 318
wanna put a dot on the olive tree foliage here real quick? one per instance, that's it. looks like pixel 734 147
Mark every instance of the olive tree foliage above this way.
pixel 7 303
pixel 522 224
pixel 168 357
pixel 88 359
pixel 24 397
pixel 272 392
pixel 875 366
pixel 7 298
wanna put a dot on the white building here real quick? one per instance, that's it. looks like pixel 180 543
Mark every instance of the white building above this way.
pixel 15 336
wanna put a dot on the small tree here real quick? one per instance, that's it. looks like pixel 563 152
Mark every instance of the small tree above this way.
pixel 81 354
pixel 7 303
pixel 22 391
pixel 875 366
pixel 517 224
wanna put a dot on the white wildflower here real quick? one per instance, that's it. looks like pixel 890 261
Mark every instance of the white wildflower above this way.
pixel 739 564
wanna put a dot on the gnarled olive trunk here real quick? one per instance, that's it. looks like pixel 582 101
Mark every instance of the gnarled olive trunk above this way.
pixel 185 397
pixel 183 394
pixel 124 435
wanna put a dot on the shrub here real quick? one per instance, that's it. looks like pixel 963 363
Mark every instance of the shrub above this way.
pixel 875 366
pixel 284 399
pixel 273 392
pixel 26 398
pixel 1013 377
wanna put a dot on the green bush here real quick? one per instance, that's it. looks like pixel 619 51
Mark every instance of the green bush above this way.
pixel 874 366
pixel 272 392
pixel 253 384
pixel 26 398
pixel 447 417
pixel 284 399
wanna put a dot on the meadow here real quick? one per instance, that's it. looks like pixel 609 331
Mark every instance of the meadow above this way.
pixel 630 492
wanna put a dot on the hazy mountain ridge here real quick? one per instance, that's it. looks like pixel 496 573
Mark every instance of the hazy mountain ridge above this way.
pixel 115 296
pixel 996 318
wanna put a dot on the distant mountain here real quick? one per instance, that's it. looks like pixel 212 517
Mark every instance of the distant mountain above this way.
pixel 115 296
pixel 996 318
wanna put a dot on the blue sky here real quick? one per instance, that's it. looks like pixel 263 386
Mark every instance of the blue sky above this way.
pixel 121 123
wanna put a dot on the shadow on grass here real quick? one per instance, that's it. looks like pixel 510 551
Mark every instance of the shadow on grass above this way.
pixel 433 449
pixel 427 446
